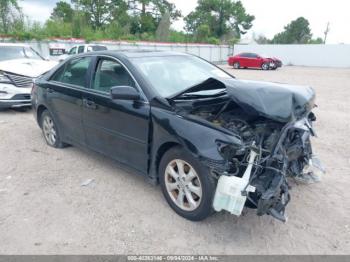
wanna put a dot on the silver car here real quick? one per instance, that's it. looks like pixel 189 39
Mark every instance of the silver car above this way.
pixel 19 66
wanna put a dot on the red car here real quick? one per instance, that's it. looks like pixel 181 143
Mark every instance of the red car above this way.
pixel 252 60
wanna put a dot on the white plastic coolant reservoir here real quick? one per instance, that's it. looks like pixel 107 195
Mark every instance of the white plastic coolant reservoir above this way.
pixel 228 195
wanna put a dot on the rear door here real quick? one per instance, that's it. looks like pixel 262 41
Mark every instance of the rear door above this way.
pixel 64 94
pixel 119 129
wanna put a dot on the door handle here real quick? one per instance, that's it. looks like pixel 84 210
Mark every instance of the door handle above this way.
pixel 89 104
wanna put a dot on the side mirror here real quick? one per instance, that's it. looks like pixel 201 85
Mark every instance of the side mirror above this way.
pixel 124 93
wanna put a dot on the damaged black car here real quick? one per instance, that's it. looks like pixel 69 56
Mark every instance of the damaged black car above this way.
pixel 211 141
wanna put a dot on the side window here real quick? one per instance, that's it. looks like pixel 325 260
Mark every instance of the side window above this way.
pixel 81 49
pixel 244 55
pixel 110 73
pixel 253 55
pixel 74 72
pixel 72 51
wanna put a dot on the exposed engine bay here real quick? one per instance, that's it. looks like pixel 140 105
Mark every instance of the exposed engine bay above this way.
pixel 282 150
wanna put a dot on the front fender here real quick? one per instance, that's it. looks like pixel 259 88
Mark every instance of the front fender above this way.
pixel 198 138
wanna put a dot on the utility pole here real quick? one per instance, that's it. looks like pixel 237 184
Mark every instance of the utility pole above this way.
pixel 326 33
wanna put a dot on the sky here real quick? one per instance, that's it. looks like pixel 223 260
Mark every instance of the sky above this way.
pixel 270 15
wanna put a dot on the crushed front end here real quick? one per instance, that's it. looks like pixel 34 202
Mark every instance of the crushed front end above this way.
pixel 274 123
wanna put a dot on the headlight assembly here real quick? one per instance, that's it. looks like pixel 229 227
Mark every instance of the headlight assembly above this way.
pixel 4 78
pixel 228 150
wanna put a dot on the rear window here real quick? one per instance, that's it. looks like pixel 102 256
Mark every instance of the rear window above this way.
pixel 74 72
pixel 244 55
pixel 98 48
pixel 57 52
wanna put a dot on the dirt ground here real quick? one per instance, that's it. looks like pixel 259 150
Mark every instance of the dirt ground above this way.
pixel 45 210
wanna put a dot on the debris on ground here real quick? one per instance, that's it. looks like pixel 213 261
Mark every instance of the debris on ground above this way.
pixel 87 182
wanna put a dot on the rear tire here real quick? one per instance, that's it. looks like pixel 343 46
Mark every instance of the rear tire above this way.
pixel 236 65
pixel 50 130
pixel 187 185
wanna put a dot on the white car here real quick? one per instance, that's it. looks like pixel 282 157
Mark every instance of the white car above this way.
pixel 19 66
pixel 84 48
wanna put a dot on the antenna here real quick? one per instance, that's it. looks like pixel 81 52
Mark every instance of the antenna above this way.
pixel 326 33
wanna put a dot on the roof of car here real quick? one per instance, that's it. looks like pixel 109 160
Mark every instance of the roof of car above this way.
pixel 132 53
pixel 87 45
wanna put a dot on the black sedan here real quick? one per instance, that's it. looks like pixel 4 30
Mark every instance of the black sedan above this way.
pixel 212 142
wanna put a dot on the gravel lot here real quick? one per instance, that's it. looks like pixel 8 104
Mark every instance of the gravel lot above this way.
pixel 45 210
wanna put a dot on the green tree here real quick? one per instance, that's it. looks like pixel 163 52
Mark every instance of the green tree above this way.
pixel 147 14
pixel 55 29
pixel 178 37
pixel 296 32
pixel 9 12
pixel 80 24
pixel 316 41
pixel 202 33
pixel 99 12
pixel 262 40
pixel 163 30
pixel 221 16
pixel 62 11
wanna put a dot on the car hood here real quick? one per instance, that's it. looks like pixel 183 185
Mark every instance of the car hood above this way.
pixel 276 101
pixel 27 67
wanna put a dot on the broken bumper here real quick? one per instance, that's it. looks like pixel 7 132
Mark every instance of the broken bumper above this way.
pixel 264 184
pixel 14 97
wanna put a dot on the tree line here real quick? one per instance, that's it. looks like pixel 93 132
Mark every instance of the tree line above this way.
pixel 212 21
pixel 296 32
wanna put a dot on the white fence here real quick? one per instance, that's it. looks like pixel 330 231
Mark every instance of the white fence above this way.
pixel 303 55
pixel 213 53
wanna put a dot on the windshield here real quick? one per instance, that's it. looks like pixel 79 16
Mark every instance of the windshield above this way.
pixel 18 52
pixel 172 74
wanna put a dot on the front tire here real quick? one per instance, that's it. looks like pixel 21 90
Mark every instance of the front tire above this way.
pixel 236 65
pixel 187 185
pixel 265 66
pixel 50 130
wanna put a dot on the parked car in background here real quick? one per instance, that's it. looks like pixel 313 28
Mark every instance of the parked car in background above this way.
pixel 19 66
pixel 56 50
pixel 252 60
pixel 85 48
pixel 212 141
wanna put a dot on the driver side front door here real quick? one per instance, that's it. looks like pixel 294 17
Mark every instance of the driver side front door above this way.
pixel 119 129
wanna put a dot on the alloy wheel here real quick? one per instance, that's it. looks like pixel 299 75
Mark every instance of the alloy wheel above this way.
pixel 265 66
pixel 49 130
pixel 183 185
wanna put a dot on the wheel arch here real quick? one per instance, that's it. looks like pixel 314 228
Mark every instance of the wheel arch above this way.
pixel 39 112
pixel 162 150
